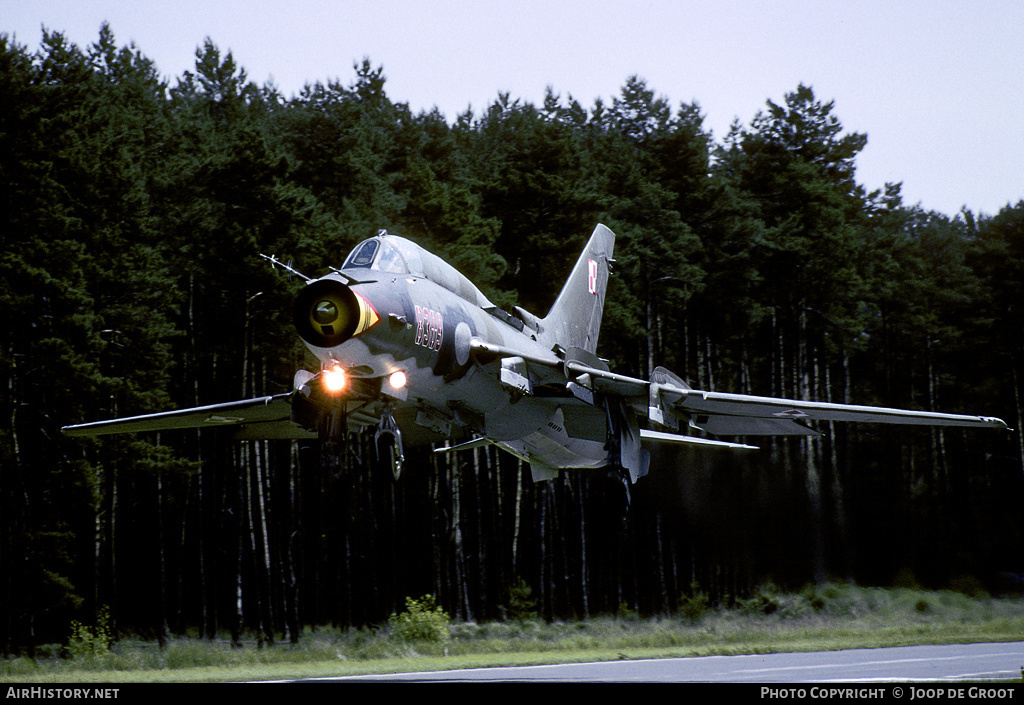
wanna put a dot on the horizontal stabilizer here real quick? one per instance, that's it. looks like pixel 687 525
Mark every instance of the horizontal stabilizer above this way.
pixel 659 437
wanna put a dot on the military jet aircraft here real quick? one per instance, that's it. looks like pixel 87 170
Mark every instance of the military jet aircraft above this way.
pixel 410 346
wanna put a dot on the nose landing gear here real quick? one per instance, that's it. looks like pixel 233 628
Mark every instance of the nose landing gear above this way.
pixel 388 442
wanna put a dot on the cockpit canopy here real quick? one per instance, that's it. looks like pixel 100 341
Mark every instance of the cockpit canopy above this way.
pixel 396 255
pixel 387 253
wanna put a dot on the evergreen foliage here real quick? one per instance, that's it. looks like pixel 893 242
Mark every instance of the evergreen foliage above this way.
pixel 522 607
pixel 422 620
pixel 132 214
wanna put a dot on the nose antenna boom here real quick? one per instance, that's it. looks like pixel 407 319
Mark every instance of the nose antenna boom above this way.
pixel 275 262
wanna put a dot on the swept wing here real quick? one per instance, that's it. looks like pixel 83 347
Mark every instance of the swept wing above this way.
pixel 667 400
pixel 264 417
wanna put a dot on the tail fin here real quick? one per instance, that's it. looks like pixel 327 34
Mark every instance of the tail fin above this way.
pixel 575 319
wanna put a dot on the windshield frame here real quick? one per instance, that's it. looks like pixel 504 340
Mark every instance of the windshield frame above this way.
pixel 386 253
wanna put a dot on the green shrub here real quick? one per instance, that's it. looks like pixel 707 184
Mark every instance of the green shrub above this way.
pixel 90 642
pixel 764 601
pixel 695 605
pixel 905 578
pixel 811 599
pixel 522 607
pixel 423 620
pixel 968 585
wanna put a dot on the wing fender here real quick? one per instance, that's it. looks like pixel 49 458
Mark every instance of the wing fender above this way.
pixel 657 411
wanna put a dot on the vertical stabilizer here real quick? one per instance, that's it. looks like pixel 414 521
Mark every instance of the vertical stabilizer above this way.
pixel 575 319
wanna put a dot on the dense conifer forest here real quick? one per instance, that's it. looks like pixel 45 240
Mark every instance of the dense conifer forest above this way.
pixel 132 213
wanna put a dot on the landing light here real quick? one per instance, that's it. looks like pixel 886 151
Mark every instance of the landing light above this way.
pixel 334 379
pixel 397 379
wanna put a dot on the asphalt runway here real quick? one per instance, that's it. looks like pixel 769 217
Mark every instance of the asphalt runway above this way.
pixel 907 664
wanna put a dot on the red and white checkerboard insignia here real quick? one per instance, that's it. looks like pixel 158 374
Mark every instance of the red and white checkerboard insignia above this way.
pixel 592 276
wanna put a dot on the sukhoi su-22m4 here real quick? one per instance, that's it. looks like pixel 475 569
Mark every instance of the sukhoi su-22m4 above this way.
pixel 410 346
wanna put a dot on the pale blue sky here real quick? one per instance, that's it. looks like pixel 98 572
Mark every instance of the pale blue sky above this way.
pixel 937 85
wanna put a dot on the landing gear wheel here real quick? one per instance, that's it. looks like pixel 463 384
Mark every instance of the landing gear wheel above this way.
pixel 390 455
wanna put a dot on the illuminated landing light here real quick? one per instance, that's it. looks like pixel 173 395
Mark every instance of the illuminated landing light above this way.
pixel 335 379
pixel 397 379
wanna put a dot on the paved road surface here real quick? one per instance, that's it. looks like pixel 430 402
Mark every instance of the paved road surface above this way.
pixel 957 662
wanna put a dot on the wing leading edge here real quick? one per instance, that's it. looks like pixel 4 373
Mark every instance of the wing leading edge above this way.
pixel 722 413
pixel 264 417
pixel 771 410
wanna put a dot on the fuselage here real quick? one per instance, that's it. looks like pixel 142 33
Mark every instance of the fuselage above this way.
pixel 410 312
